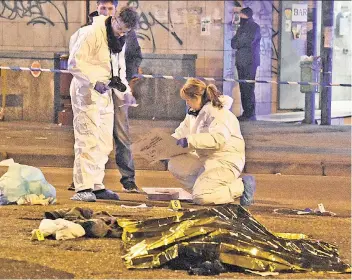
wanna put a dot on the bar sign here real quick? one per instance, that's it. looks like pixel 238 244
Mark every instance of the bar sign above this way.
pixel 299 12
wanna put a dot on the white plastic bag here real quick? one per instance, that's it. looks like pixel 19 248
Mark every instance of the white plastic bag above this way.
pixel 21 180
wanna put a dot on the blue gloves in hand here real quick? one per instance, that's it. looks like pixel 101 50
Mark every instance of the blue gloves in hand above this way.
pixel 129 99
pixel 101 87
pixel 182 142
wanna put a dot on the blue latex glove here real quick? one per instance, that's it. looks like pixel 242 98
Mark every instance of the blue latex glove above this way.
pixel 182 142
pixel 101 87
pixel 129 99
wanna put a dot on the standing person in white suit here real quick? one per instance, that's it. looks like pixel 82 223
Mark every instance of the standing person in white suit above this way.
pixel 211 171
pixel 97 63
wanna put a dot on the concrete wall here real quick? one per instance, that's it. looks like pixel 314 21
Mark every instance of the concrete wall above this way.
pixel 39 26
pixel 180 33
pixel 29 98
pixel 174 27
pixel 159 98
pixel 166 27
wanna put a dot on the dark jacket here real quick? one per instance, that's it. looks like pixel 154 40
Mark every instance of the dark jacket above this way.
pixel 133 54
pixel 246 42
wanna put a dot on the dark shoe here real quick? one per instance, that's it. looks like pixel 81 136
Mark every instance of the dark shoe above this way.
pixel 130 187
pixel 247 197
pixel 71 187
pixel 106 194
pixel 87 196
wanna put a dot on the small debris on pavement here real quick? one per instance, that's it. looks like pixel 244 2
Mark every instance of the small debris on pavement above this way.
pixel 143 205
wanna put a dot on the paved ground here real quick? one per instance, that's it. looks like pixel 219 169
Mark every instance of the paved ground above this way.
pixel 101 258
pixel 286 148
pixel 314 163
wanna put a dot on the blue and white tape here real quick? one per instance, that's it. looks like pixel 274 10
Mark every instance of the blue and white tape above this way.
pixel 17 68
pixel 180 78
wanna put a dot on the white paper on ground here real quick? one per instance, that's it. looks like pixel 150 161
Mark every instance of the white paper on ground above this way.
pixel 263 273
pixel 143 205
pixel 182 194
pixel 157 145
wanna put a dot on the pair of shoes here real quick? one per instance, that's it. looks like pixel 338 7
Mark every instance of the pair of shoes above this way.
pixel 249 184
pixel 245 118
pixel 106 194
pixel 86 196
pixel 131 187
pixel 71 187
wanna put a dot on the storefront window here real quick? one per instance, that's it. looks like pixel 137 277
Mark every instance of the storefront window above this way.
pixel 341 70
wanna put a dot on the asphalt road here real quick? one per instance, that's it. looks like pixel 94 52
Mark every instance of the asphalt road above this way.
pixel 101 258
pixel 286 148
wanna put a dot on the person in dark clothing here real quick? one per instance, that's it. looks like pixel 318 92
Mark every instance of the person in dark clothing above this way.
pixel 310 38
pixel 246 42
pixel 133 58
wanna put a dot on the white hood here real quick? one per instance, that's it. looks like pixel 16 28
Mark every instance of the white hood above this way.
pixel 99 20
pixel 226 101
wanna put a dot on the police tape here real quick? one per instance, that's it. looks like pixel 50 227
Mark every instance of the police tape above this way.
pixel 16 68
pixel 181 78
pixel 208 79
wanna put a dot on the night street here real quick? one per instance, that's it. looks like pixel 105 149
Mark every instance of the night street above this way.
pixel 247 105
pixel 101 258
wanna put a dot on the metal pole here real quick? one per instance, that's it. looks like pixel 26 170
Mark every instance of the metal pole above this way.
pixel 309 111
pixel 327 55
pixel 87 11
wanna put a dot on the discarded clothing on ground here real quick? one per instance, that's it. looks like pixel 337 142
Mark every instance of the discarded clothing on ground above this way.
pixel 223 238
pixel 99 224
pixel 60 229
pixel 22 180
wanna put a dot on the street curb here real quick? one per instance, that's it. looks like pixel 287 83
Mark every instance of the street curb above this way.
pixel 254 166
pixel 311 168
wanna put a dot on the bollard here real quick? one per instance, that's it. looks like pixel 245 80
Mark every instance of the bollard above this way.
pixel 310 72
pixel 3 74
pixel 63 61
pixel 65 115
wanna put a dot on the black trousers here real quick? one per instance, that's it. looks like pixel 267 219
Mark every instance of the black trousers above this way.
pixel 247 72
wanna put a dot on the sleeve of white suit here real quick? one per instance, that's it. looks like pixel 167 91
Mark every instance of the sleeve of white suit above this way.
pixel 216 138
pixel 78 62
pixel 182 130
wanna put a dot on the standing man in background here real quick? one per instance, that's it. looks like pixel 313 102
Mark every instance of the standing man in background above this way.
pixel 133 58
pixel 246 42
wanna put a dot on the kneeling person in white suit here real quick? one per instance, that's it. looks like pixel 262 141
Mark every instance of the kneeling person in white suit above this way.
pixel 211 171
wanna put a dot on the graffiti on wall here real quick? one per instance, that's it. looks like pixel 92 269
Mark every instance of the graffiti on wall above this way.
pixel 147 23
pixel 34 10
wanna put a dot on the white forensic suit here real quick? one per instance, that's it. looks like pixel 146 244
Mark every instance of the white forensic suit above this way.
pixel 89 62
pixel 211 172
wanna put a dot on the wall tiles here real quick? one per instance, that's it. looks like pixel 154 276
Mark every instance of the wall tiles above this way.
pixel 41 35
pixel 10 33
pixel 213 63
pixel 178 37
pixel 26 36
